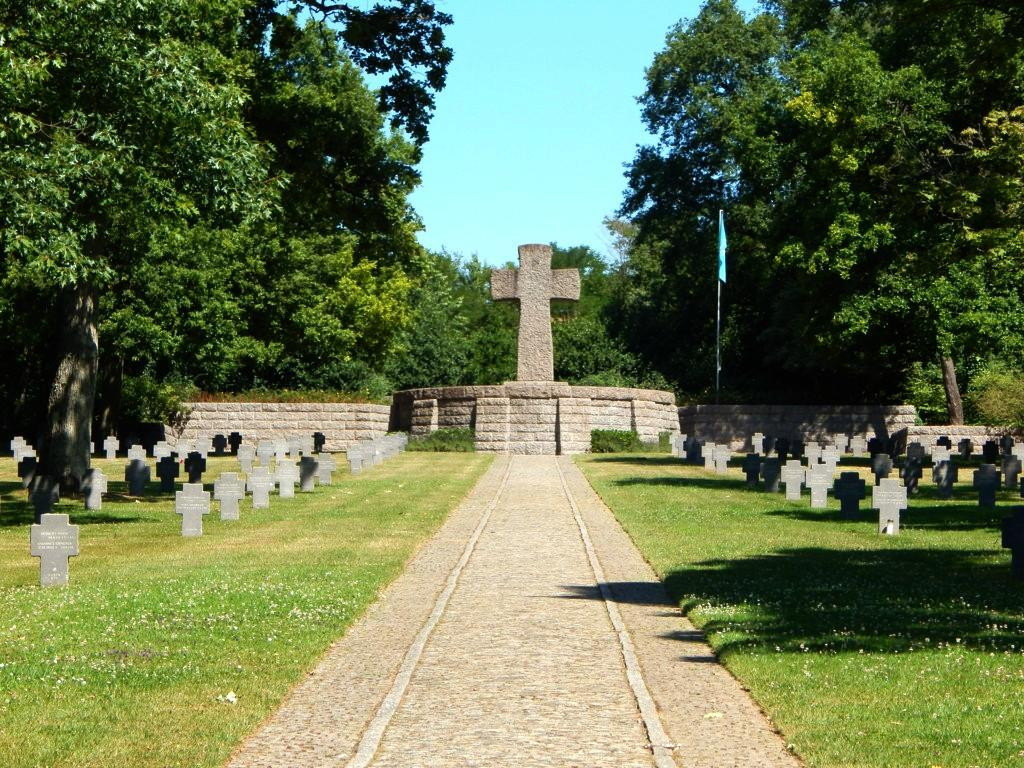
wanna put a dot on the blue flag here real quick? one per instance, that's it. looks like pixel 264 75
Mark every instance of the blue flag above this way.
pixel 721 246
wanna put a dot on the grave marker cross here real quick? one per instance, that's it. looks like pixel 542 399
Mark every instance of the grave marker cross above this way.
pixel 986 481
pixel 53 540
pixel 192 502
pixel 167 469
pixel 770 474
pixel 889 497
pixel 851 489
pixel 1013 540
pixel 819 480
pixel 793 479
pixel 228 490
pixel 534 285
pixel 752 468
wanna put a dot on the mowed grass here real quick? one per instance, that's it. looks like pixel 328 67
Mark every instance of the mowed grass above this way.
pixel 865 650
pixel 132 664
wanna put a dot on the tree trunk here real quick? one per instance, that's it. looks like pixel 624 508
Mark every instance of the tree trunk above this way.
pixel 954 405
pixel 66 450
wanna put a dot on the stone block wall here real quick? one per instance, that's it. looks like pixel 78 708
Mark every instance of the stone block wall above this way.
pixel 574 424
pixel 734 424
pixel 539 417
pixel 424 417
pixel 342 423
pixel 492 424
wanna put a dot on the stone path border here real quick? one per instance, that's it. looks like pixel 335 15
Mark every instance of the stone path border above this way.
pixel 692 709
pixel 660 743
pixel 375 730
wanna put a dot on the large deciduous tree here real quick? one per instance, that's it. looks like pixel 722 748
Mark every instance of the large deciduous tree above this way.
pixel 115 119
pixel 868 156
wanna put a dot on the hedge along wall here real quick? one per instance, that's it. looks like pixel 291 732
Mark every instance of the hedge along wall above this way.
pixel 342 423
pixel 734 424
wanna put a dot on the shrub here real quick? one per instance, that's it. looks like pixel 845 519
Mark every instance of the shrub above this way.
pixel 996 396
pixel 614 441
pixel 143 399
pixel 447 440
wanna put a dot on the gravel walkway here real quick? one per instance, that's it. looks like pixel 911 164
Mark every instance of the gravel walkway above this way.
pixel 527 632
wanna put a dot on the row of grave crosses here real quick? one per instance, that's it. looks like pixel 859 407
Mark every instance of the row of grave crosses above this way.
pixel 888 495
pixel 54 540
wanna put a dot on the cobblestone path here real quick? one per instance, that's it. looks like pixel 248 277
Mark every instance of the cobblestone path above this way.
pixel 527 632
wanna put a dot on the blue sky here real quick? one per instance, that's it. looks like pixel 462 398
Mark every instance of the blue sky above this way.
pixel 539 117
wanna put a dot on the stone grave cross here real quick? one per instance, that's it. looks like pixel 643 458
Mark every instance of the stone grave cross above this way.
pixel 752 469
pixel 1013 540
pixel 819 480
pixel 986 481
pixel 889 497
pixel 793 475
pixel 228 490
pixel 325 466
pixel 192 502
pixel 110 446
pixel 850 489
pixel 260 484
pixel 53 540
pixel 534 285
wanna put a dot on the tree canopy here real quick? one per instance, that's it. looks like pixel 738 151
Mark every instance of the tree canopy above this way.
pixel 867 156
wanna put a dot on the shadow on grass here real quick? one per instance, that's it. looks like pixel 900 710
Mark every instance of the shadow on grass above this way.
pixel 824 599
pixel 938 517
pixel 715 482
pixel 649 460
pixel 15 508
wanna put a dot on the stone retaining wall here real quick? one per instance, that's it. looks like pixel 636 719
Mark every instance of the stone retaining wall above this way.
pixel 535 417
pixel 734 424
pixel 342 423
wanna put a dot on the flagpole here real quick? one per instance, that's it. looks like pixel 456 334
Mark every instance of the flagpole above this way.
pixel 718 310
pixel 718 340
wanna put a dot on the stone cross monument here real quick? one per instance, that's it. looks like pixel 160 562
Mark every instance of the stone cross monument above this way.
pixel 534 285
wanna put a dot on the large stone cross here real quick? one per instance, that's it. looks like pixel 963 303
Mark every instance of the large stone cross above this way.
pixel 534 285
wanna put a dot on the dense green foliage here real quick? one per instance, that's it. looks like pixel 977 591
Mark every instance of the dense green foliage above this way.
pixel 997 396
pixel 866 651
pixel 445 440
pixel 869 157
pixel 214 185
pixel 213 190
pixel 614 441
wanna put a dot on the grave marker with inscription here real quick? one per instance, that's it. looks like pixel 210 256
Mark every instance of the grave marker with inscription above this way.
pixel 53 540
pixel 819 480
pixel 889 497
pixel 793 475
pixel 192 502
pixel 228 490
pixel 260 485
pixel 110 446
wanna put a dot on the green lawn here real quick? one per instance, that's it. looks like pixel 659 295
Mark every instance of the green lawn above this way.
pixel 865 650
pixel 130 665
